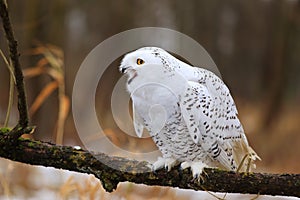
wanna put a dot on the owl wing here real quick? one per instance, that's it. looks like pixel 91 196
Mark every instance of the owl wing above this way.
pixel 211 118
pixel 137 121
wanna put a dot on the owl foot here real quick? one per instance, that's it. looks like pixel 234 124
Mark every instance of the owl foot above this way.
pixel 196 167
pixel 167 163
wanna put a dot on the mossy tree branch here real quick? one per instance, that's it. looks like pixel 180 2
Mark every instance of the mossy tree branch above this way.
pixel 112 170
pixel 14 57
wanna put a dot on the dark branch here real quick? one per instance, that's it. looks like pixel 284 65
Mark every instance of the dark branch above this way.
pixel 14 56
pixel 108 170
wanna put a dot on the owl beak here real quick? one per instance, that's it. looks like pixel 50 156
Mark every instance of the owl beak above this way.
pixel 124 69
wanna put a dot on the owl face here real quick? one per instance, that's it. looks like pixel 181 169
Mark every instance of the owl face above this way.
pixel 139 58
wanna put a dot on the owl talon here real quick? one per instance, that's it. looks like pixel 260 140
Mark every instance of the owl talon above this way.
pixel 158 164
pixel 199 179
pixel 167 163
pixel 197 169
pixel 185 165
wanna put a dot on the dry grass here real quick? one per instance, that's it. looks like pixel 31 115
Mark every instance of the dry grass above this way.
pixel 51 63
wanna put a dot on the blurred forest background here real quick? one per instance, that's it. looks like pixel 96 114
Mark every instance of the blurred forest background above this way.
pixel 255 44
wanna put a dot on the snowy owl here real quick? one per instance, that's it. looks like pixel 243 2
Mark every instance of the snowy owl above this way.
pixel 188 111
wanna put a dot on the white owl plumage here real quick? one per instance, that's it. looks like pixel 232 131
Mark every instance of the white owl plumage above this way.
pixel 188 112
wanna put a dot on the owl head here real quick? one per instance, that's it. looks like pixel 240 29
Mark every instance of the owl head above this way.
pixel 141 57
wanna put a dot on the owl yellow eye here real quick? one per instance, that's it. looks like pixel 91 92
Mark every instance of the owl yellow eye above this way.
pixel 140 61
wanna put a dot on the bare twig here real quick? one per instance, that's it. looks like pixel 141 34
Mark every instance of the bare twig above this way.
pixel 14 56
pixel 12 82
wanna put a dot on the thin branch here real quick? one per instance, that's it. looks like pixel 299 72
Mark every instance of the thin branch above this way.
pixel 12 82
pixel 14 56
pixel 108 170
pixel 10 99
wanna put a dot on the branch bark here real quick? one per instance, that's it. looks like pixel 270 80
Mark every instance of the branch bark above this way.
pixel 14 57
pixel 113 170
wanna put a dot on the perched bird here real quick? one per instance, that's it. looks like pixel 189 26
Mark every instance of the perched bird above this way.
pixel 188 112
